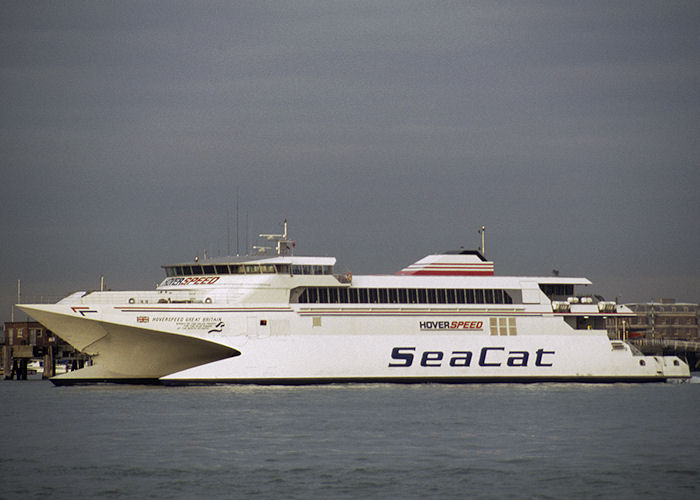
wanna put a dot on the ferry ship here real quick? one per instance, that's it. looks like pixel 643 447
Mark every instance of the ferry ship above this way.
pixel 279 318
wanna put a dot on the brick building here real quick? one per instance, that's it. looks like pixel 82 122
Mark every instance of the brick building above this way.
pixel 666 319
pixel 26 333
pixel 24 340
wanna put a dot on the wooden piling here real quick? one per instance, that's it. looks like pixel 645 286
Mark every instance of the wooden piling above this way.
pixel 7 361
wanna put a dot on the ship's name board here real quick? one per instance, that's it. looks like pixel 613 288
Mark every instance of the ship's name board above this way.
pixel 403 357
pixel 191 280
pixel 451 325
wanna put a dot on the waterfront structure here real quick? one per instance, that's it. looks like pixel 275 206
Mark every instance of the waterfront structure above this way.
pixel 23 341
pixel 35 335
pixel 665 319
pixel 277 318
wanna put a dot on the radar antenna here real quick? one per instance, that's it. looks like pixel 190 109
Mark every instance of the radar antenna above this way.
pixel 284 246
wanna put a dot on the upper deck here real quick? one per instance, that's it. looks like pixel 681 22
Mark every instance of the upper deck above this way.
pixel 458 277
pixel 290 265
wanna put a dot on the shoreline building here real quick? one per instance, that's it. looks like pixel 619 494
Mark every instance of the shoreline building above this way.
pixel 22 341
pixel 665 319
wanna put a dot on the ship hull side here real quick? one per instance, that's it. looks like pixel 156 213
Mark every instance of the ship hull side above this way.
pixel 266 345
pixel 449 359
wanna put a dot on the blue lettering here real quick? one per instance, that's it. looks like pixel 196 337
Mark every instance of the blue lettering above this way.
pixel 517 358
pixel 429 357
pixel 461 358
pixel 485 351
pixel 406 357
pixel 538 359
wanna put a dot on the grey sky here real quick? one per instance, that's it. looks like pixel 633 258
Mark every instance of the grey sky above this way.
pixel 383 130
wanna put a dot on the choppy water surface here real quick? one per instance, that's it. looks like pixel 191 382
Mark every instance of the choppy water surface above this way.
pixel 350 441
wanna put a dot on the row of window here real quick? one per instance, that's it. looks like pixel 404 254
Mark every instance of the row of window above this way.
pixel 555 291
pixel 656 308
pixel 664 321
pixel 195 270
pixel 18 334
pixel 351 295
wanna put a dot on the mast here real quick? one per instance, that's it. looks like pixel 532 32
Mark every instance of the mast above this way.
pixel 482 231
pixel 284 245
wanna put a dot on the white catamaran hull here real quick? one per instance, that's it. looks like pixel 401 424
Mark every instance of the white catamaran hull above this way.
pixel 264 345
pixel 285 319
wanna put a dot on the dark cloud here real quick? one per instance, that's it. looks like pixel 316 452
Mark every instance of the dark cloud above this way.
pixel 381 130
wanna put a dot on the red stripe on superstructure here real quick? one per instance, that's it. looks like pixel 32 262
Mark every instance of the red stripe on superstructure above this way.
pixel 430 272
pixel 449 269
pixel 450 264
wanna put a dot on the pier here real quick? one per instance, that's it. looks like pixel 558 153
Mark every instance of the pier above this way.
pixel 28 348
pixel 689 350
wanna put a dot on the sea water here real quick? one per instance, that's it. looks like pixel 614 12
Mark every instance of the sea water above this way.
pixel 350 441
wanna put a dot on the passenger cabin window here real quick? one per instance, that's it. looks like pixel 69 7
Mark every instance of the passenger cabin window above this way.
pixel 344 295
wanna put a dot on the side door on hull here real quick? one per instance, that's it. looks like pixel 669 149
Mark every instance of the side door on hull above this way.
pixel 258 327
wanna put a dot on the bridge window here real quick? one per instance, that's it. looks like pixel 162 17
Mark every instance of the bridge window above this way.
pixel 557 291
